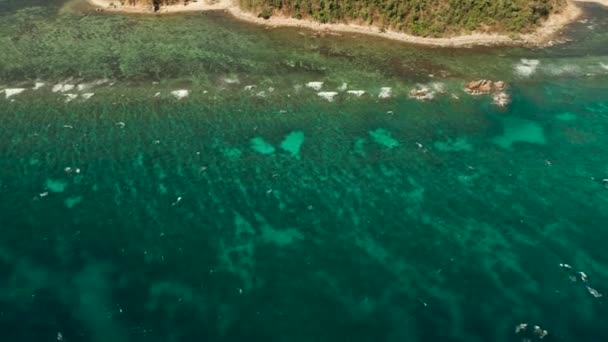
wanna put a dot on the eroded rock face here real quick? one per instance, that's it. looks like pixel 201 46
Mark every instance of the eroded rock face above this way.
pixel 484 87
pixel 496 88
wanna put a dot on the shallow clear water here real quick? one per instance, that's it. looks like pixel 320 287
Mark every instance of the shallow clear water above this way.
pixel 269 213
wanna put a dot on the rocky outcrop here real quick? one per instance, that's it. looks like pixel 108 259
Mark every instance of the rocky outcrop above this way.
pixel 481 87
pixel 497 88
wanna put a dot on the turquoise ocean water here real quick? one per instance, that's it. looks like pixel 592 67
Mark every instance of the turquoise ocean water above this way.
pixel 256 210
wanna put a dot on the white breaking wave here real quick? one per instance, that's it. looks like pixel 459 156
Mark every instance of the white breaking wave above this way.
pixel 62 88
pixel 526 67
pixel 357 93
pixel 605 66
pixel 180 94
pixel 328 95
pixel 385 92
pixel 315 85
pixel 87 96
pixel 70 97
pixel 10 92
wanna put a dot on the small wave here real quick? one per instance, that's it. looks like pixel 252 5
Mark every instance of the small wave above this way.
pixel 526 67
pixel 357 93
pixel 385 92
pixel 62 87
pixel 315 85
pixel 70 97
pixel 605 66
pixel 328 95
pixel 568 69
pixel 10 92
pixel 180 94
pixel 87 96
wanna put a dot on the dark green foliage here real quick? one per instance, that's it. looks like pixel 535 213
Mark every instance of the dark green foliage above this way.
pixel 420 17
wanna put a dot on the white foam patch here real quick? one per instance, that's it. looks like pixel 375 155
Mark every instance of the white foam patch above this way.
pixel 605 66
pixel 385 92
pixel 10 92
pixel 357 93
pixel 62 88
pixel 180 94
pixel 250 87
pixel 328 95
pixel 87 96
pixel 501 99
pixel 343 87
pixel 70 97
pixel 231 80
pixel 526 67
pixel 568 69
pixel 38 85
pixel 315 85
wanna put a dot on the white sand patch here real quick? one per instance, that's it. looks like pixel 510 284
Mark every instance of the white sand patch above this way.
pixel 315 85
pixel 180 94
pixel 605 66
pixel 343 87
pixel 328 95
pixel 62 87
pixel 10 92
pixel 87 96
pixel 70 97
pixel 385 92
pixel 526 67
pixel 357 93
pixel 38 85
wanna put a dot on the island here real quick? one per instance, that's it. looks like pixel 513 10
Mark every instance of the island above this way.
pixel 427 22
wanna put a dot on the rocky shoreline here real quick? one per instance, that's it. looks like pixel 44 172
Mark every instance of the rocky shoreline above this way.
pixel 543 36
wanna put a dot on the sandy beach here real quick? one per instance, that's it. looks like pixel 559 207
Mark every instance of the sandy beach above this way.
pixel 542 36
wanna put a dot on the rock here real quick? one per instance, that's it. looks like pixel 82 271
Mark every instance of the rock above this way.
pixel 422 93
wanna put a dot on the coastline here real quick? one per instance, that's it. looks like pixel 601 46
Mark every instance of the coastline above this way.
pixel 542 36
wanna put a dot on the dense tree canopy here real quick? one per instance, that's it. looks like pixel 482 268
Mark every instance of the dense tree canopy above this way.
pixel 421 17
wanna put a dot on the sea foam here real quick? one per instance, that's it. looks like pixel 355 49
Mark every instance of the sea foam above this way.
pixel 315 85
pixel 328 95
pixel 385 92
pixel 526 67
pixel 10 92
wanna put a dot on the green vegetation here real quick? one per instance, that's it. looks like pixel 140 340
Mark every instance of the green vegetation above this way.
pixel 419 17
